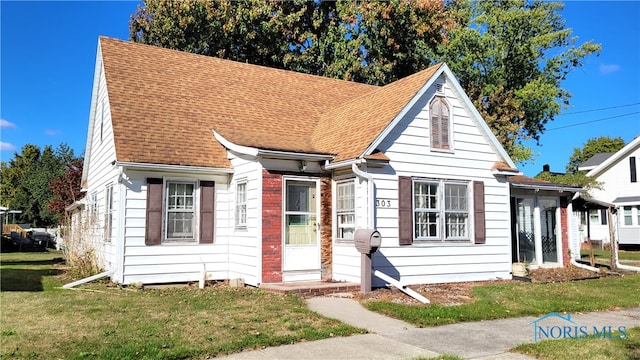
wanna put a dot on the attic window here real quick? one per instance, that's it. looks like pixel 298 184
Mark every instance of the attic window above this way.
pixel 440 123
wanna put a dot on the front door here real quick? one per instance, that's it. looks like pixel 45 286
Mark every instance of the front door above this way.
pixel 301 250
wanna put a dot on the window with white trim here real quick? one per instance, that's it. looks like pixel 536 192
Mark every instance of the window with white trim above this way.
pixel 346 209
pixel 629 214
pixel 440 123
pixel 108 213
pixel 180 210
pixel 441 210
pixel 241 204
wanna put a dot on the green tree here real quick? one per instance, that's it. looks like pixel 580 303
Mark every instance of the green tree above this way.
pixel 370 42
pixel 25 183
pixel 602 144
pixel 573 176
pixel 511 56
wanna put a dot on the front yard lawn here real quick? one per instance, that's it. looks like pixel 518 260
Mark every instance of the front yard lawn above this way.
pixel 39 320
pixel 585 348
pixel 513 299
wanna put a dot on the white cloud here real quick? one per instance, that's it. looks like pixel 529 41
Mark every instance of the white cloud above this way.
pixel 6 124
pixel 6 146
pixel 609 68
pixel 52 132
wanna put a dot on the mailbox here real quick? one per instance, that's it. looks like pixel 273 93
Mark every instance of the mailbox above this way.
pixel 367 241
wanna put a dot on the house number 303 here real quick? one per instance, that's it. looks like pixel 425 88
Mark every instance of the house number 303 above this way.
pixel 383 203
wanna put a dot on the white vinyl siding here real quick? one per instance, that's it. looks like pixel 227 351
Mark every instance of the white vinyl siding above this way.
pixel 409 151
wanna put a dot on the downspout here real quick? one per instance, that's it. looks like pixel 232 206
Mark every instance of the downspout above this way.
pixel 88 279
pixel 371 223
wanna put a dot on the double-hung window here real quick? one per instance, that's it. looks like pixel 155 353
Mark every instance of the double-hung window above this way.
pixel 241 204
pixel 346 209
pixel 631 212
pixel 180 211
pixel 441 210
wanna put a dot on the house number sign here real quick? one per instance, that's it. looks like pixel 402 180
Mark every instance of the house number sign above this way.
pixel 383 203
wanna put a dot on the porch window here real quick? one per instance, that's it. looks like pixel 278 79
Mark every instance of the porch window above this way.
pixel 441 210
pixel 598 217
pixel 346 209
pixel 241 204
pixel 439 123
pixel 108 221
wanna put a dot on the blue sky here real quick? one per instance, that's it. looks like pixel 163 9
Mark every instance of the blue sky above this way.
pixel 47 58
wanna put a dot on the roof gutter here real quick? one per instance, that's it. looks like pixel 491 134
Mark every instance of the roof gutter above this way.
pixel 538 187
pixel 172 168
pixel 272 154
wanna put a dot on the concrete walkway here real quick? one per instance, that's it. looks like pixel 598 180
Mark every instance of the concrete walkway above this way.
pixel 394 339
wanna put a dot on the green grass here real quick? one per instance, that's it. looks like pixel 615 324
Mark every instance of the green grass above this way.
pixel 586 348
pixel 606 254
pixel 512 299
pixel 39 320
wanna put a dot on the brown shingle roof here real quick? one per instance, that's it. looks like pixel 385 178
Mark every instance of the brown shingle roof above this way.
pixel 164 104
pixel 349 129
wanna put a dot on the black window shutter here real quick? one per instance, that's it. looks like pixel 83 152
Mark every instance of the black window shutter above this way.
pixel 207 201
pixel 632 167
pixel 405 211
pixel 153 233
pixel 603 216
pixel 479 232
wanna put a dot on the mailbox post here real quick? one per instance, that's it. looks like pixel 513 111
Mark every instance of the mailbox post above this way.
pixel 367 241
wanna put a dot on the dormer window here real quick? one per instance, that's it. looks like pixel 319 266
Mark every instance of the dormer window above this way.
pixel 440 123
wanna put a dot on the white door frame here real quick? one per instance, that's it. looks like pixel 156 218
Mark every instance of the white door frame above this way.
pixel 301 263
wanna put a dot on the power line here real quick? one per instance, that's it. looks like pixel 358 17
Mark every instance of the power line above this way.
pixel 592 121
pixel 593 110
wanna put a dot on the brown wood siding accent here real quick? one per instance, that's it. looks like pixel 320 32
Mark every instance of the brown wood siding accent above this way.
pixel 405 211
pixel 326 233
pixel 153 232
pixel 207 208
pixel 479 233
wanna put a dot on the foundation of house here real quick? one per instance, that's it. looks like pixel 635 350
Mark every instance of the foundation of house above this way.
pixel 310 288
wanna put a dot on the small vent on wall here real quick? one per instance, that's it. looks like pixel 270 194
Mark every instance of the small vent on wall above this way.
pixel 440 88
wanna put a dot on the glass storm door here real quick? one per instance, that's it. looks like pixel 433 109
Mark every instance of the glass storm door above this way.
pixel 549 241
pixel 301 236
pixel 525 227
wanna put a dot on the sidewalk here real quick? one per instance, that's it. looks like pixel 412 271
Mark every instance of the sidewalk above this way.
pixel 394 339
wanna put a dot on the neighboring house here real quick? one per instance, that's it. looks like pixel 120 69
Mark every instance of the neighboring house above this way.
pixel 197 165
pixel 542 224
pixel 619 174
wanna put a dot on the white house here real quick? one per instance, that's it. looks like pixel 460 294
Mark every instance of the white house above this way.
pixel 619 176
pixel 201 165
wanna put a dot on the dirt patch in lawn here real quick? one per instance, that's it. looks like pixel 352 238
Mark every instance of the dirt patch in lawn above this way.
pixel 458 293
